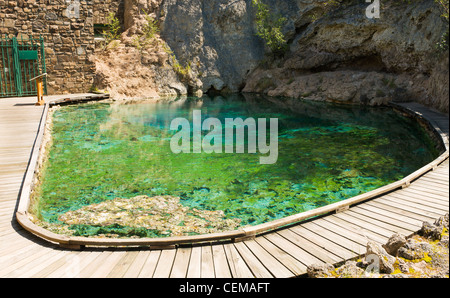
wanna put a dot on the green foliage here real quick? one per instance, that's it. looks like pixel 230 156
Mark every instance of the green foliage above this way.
pixel 113 26
pixel 150 31
pixel 151 28
pixel 269 27
pixel 443 4
pixel 115 229
pixel 184 71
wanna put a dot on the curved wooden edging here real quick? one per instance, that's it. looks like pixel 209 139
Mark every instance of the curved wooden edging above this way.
pixel 237 235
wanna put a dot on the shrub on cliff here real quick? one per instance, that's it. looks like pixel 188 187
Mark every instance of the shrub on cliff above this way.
pixel 269 27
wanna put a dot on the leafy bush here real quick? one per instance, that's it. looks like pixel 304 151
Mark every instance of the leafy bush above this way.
pixel 113 26
pixel 269 27
pixel 443 4
pixel 150 31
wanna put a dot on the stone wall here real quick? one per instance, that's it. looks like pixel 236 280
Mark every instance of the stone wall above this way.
pixel 68 30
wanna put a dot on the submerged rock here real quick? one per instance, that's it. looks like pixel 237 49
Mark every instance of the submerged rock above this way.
pixel 164 214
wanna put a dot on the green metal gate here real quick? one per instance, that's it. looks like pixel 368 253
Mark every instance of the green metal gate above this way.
pixel 21 59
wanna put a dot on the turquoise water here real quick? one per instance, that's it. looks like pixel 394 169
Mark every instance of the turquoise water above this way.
pixel 326 153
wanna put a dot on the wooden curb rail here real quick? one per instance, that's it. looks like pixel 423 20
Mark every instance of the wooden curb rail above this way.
pixel 234 236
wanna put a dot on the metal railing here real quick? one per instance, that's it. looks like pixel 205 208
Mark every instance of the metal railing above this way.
pixel 20 60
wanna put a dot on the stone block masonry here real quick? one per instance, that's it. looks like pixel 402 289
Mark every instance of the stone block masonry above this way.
pixel 68 30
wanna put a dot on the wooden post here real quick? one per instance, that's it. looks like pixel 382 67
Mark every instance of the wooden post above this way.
pixel 40 89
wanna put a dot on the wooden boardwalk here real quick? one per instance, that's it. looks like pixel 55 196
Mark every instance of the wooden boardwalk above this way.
pixel 283 253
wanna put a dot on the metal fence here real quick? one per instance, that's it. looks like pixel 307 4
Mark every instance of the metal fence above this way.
pixel 21 59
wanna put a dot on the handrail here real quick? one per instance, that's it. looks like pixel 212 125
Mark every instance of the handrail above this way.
pixel 73 242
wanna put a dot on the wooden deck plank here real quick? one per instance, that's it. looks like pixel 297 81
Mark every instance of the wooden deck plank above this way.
pixel 434 180
pixel 207 265
pixel 65 260
pixel 150 264
pixel 221 266
pixel 347 243
pixel 288 261
pixel 422 201
pixel 367 226
pixel 324 242
pixel 383 217
pixel 440 190
pixel 252 262
pixel 422 196
pixel 181 263
pixel 238 267
pixel 436 194
pixel 379 223
pixel 276 268
pixel 355 228
pixel 164 266
pixel 350 234
pixel 109 263
pixel 90 268
pixel 408 207
pixel 405 221
pixel 137 265
pixel 297 252
pixel 122 266
pixel 74 268
pixel 311 247
pixel 195 263
pixel 418 218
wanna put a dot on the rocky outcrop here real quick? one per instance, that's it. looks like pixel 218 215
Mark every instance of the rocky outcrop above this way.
pixel 136 66
pixel 216 38
pixel 422 255
pixel 348 57
pixel 334 55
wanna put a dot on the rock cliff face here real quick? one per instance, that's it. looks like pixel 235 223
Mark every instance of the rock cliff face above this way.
pixel 216 37
pixel 348 57
pixel 335 55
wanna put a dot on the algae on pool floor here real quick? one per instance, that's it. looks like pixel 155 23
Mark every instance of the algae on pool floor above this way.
pixel 326 153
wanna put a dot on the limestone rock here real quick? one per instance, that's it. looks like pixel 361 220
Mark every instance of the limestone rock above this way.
pixel 394 243
pixel 319 270
pixel 164 214
pixel 379 254
pixel 432 231
pixel 345 44
pixel 350 270
pixel 413 250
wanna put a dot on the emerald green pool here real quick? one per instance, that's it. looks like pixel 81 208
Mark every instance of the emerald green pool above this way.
pixel 326 153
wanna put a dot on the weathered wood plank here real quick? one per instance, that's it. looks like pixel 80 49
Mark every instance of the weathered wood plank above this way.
pixel 252 262
pixel 417 218
pixel 288 261
pixel 137 265
pixel 335 237
pixel 350 226
pixel 382 216
pixel 181 263
pixel 195 263
pixel 276 268
pixel 311 247
pixel 323 242
pixel 238 267
pixel 436 205
pixel 150 264
pixel 221 266
pixel 409 207
pixel 207 266
pixel 165 262
pixel 122 266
